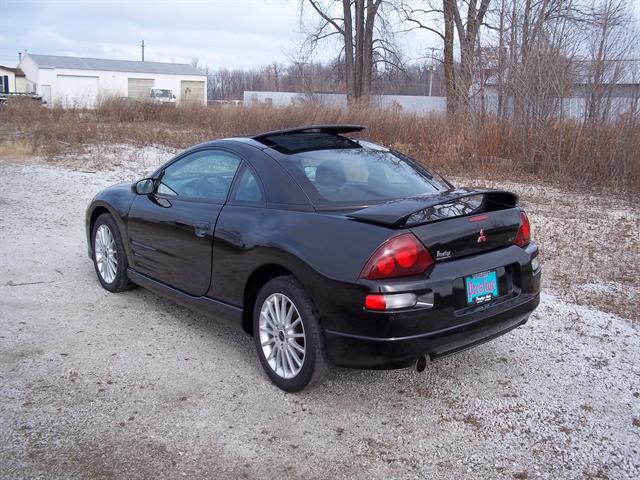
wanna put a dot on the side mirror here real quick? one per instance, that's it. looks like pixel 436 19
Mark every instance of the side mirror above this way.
pixel 146 186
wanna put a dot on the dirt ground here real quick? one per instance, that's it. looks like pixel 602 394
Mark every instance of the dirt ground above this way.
pixel 128 386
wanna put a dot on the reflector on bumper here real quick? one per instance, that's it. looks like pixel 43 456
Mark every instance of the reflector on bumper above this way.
pixel 390 301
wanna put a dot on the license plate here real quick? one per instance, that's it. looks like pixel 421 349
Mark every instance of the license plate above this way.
pixel 481 287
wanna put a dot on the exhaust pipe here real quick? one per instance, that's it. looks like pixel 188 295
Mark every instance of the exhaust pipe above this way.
pixel 421 363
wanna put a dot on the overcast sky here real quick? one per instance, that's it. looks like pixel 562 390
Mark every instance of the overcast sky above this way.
pixel 233 33
pixel 220 33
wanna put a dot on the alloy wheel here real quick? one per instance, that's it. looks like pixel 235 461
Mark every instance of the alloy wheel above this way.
pixel 105 252
pixel 282 335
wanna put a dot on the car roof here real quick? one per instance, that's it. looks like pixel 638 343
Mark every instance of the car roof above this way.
pixel 269 148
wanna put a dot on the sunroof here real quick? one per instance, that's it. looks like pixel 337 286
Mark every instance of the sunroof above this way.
pixel 290 143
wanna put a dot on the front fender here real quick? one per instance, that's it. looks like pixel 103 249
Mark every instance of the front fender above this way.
pixel 117 201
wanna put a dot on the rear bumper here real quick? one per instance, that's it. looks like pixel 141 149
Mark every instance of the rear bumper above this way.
pixel 357 351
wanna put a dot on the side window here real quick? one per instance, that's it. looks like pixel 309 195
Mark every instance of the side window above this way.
pixel 205 174
pixel 248 188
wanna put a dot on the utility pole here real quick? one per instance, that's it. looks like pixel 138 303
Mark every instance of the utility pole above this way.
pixel 432 68
pixel 142 45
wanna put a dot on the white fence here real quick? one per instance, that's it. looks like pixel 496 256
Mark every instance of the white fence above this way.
pixel 405 103
pixel 571 107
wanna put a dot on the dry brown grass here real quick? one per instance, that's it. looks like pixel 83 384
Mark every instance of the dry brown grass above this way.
pixel 567 153
pixel 15 148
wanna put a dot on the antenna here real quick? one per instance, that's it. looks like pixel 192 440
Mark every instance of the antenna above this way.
pixel 142 45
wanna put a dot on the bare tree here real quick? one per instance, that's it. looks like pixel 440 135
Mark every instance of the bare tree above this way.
pixel 450 21
pixel 610 42
pixel 364 37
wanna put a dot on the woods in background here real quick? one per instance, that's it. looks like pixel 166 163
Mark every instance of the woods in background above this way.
pixel 538 71
pixel 547 88
pixel 512 58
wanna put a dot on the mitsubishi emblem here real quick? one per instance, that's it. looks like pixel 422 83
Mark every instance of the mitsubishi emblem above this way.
pixel 482 237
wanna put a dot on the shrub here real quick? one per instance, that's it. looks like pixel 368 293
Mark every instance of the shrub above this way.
pixel 600 156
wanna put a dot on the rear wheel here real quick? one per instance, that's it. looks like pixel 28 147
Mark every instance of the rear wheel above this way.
pixel 288 336
pixel 109 257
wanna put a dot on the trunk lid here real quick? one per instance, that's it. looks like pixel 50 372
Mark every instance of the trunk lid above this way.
pixel 452 224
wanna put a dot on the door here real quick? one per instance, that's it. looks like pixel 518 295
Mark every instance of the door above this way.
pixel 171 231
pixel 46 94
pixel 192 92
pixel 77 91
pixel 140 88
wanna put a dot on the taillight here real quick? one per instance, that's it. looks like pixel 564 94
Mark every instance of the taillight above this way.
pixel 523 237
pixel 399 256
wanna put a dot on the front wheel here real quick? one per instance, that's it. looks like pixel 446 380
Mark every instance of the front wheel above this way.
pixel 109 257
pixel 288 336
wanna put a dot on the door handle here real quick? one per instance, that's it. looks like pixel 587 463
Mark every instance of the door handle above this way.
pixel 201 229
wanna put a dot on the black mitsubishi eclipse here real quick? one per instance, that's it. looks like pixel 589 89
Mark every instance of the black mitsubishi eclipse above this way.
pixel 325 248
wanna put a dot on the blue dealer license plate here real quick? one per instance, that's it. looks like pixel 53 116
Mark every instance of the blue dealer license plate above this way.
pixel 481 287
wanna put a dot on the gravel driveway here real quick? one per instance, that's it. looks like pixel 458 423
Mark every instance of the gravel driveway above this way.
pixel 97 385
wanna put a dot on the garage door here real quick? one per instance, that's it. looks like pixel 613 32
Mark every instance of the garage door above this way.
pixel 191 91
pixel 140 88
pixel 76 91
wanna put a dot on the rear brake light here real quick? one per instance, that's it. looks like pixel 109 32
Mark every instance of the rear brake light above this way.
pixel 523 237
pixel 399 256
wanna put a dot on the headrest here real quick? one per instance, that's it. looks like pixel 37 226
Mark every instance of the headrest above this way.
pixel 330 173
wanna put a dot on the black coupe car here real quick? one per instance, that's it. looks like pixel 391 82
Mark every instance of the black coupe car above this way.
pixel 325 248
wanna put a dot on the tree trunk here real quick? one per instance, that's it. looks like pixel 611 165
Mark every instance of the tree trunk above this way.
pixel 348 51
pixel 367 70
pixel 359 46
pixel 449 71
pixel 468 43
pixel 466 75
pixel 501 65
pixel 512 72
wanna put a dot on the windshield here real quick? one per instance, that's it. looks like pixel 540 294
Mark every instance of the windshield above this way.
pixel 358 176
pixel 162 93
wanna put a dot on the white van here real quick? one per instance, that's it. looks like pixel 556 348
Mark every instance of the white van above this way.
pixel 162 95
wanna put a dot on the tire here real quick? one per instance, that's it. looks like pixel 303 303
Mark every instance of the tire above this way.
pixel 302 328
pixel 112 277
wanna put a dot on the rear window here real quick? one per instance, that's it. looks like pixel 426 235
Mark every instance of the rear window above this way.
pixel 358 176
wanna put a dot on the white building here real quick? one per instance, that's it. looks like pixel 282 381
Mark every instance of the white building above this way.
pixel 75 81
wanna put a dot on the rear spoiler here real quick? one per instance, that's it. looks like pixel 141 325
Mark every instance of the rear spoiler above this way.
pixel 329 129
pixel 434 207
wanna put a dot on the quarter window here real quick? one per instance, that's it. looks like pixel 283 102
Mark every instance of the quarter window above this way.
pixel 205 174
pixel 248 188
